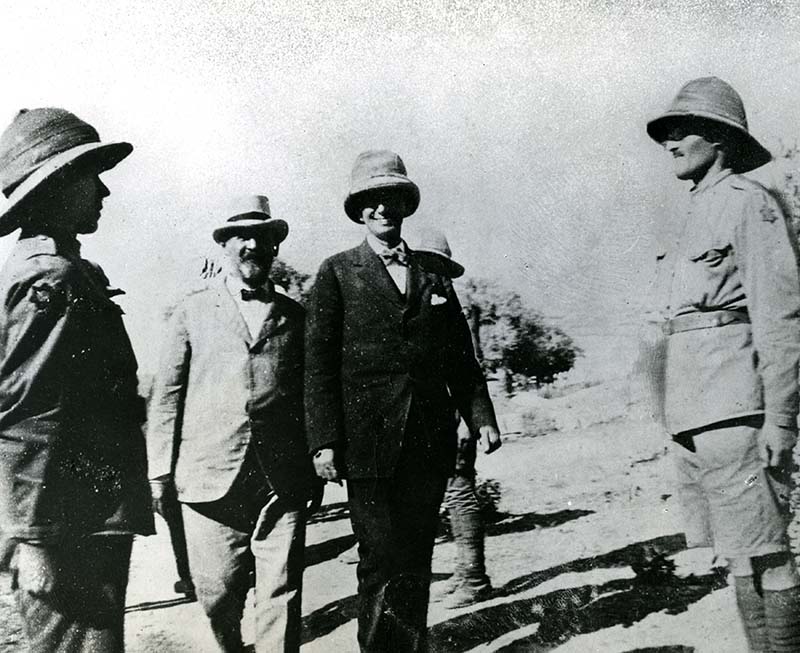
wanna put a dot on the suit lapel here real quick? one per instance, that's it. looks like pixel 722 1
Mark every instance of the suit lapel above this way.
pixel 229 314
pixel 274 320
pixel 375 275
pixel 415 284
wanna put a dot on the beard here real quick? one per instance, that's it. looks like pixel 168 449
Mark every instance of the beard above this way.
pixel 254 272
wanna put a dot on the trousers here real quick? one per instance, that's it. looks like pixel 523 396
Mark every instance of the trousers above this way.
pixel 248 533
pixel 395 520
pixel 85 614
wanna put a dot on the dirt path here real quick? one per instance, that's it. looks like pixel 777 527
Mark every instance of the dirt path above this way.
pixel 580 507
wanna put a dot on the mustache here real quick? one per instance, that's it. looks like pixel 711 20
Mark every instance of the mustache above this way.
pixel 250 255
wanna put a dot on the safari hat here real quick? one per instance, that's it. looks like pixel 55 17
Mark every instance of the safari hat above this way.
pixel 379 169
pixel 250 214
pixel 40 143
pixel 710 98
pixel 434 250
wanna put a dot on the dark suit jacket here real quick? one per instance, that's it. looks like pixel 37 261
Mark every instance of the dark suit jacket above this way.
pixel 371 353
pixel 219 392
pixel 72 454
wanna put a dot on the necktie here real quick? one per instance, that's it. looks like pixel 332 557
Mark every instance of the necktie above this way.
pixel 259 294
pixel 394 255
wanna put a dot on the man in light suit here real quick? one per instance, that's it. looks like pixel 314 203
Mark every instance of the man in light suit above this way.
pixel 389 359
pixel 226 432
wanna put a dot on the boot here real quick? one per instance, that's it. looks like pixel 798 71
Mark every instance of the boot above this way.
pixel 750 602
pixel 453 583
pixel 475 585
pixel 782 608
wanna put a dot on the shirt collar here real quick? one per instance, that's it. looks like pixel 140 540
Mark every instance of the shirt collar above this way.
pixel 378 246
pixel 711 180
pixel 44 244
pixel 235 286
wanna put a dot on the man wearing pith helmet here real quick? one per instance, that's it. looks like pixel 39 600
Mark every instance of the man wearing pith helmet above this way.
pixel 730 298
pixel 388 360
pixel 73 484
pixel 469 583
pixel 226 436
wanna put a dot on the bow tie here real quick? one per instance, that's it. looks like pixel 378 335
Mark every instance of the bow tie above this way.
pixel 259 294
pixel 394 255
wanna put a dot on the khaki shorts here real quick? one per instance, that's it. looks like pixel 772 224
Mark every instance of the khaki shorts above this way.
pixel 729 500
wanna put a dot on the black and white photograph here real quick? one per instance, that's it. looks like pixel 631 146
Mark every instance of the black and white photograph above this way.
pixel 399 326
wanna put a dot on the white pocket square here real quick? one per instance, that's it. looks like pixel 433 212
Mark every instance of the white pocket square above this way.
pixel 436 300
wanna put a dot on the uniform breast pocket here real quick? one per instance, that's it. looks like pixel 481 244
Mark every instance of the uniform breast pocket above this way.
pixel 711 257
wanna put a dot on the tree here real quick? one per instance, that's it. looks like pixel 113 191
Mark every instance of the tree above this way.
pixel 787 184
pixel 512 339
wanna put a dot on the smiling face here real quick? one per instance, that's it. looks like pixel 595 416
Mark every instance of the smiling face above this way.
pixel 250 255
pixel 382 211
pixel 694 152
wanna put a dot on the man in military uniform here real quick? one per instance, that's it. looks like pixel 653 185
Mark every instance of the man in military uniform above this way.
pixel 730 296
pixel 388 360
pixel 73 484
pixel 469 583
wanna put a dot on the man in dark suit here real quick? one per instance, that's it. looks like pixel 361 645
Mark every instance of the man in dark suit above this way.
pixel 226 428
pixel 389 359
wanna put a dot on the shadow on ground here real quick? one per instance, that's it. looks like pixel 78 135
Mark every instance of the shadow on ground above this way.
pixel 158 605
pixel 503 523
pixel 328 550
pixel 507 523
pixel 563 614
pixel 330 512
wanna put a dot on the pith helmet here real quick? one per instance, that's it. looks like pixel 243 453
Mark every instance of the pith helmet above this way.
pixel 379 169
pixel 712 99
pixel 434 251
pixel 38 144
pixel 250 214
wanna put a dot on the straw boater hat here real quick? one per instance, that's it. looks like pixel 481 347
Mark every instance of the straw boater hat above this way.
pixel 711 99
pixel 40 144
pixel 379 170
pixel 250 214
pixel 434 251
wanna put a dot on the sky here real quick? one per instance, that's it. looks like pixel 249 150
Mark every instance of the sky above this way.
pixel 523 124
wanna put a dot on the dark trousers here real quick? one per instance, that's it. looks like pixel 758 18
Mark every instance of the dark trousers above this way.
pixel 86 612
pixel 395 521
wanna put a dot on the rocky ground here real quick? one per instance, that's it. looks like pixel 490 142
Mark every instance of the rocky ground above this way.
pixel 580 507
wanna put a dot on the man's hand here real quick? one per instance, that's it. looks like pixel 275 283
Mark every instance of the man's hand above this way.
pixel 37 571
pixel 775 445
pixel 490 438
pixel 164 498
pixel 324 465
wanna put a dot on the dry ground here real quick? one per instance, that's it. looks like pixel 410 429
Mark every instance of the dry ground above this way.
pixel 578 507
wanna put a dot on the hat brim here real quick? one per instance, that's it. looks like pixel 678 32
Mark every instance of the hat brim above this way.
pixel 439 263
pixel 102 156
pixel 278 228
pixel 748 155
pixel 404 186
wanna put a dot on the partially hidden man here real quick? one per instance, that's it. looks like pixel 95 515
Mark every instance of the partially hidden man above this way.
pixel 730 295
pixel 226 435
pixel 389 359
pixel 73 484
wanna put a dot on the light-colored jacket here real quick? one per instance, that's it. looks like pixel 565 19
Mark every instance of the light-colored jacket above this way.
pixel 734 253
pixel 218 391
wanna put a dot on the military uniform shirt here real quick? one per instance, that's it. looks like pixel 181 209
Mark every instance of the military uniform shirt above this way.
pixel 735 252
